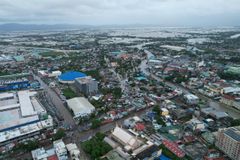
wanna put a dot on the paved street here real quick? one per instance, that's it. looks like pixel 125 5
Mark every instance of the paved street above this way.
pixel 57 102
pixel 68 120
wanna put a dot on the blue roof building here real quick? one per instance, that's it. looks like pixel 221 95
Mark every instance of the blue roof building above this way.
pixel 69 77
pixel 163 157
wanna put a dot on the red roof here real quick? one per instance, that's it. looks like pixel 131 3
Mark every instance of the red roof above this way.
pixel 219 158
pixel 139 126
pixel 229 97
pixel 188 139
pixel 173 147
pixel 53 157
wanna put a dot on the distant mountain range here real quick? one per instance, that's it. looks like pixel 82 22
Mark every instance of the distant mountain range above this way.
pixel 8 27
pixel 28 27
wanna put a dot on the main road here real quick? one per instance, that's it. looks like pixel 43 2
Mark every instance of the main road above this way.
pixel 57 102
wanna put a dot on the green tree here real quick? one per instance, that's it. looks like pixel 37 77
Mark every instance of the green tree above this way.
pixel 96 123
pixel 235 122
pixel 59 134
pixel 96 147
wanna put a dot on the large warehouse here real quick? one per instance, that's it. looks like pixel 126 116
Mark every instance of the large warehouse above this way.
pixel 20 114
pixel 69 77
pixel 80 107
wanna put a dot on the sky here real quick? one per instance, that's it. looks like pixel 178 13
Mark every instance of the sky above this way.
pixel 122 12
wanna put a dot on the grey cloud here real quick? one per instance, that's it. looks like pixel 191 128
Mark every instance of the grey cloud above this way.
pixel 163 12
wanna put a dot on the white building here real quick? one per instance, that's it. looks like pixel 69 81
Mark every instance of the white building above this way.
pixel 80 107
pixel 20 114
pixel 42 154
pixel 191 99
pixel 227 90
pixel 195 124
pixel 73 151
pixel 60 149
pixel 129 141
pixel 51 74
pixel 54 74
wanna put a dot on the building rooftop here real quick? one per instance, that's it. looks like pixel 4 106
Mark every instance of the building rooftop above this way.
pixel 84 80
pixel 213 112
pixel 80 106
pixel 190 96
pixel 25 103
pixel 125 137
pixel 71 76
pixel 173 147
pixel 18 108
pixel 25 130
pixel 234 133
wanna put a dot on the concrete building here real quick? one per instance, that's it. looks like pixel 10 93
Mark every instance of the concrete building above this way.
pixel 42 154
pixel 80 107
pixel 191 99
pixel 60 149
pixel 165 111
pixel 21 116
pixel 216 114
pixel 195 124
pixel 228 140
pixel 129 141
pixel 228 90
pixel 51 74
pixel 73 151
pixel 87 85
pixel 15 81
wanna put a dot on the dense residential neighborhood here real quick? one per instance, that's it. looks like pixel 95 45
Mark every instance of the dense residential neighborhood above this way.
pixel 115 93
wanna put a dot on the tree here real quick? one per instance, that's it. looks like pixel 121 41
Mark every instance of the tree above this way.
pixel 96 147
pixel 27 146
pixel 235 122
pixel 157 110
pixel 59 134
pixel 96 123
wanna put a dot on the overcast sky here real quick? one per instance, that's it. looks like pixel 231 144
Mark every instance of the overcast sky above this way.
pixel 105 12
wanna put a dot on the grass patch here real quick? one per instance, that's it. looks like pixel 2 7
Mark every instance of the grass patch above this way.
pixel 69 93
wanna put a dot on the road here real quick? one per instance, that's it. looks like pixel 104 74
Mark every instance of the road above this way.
pixel 68 120
pixel 57 102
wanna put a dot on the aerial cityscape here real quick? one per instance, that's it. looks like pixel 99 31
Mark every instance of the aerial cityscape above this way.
pixel 127 91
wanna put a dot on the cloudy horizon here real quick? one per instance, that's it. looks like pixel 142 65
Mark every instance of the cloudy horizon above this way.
pixel 124 12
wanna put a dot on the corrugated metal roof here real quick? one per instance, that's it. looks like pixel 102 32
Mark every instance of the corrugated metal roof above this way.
pixel 71 76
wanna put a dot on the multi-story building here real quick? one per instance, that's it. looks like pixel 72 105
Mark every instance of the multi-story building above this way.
pixel 191 99
pixel 228 140
pixel 87 85
pixel 60 149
